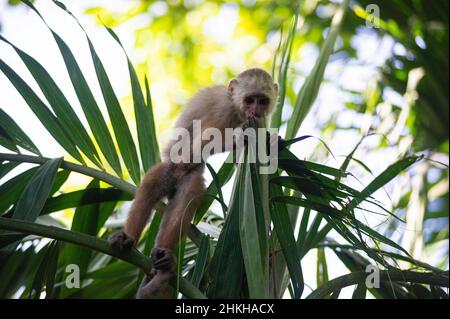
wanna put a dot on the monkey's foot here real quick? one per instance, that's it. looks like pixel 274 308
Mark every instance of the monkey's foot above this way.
pixel 162 259
pixel 121 241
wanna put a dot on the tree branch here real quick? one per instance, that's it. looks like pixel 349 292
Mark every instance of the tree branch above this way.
pixel 133 257
pixel 430 278
pixel 103 176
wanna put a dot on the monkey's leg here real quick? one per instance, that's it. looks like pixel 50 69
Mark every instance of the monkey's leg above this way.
pixel 178 215
pixel 157 183
pixel 175 223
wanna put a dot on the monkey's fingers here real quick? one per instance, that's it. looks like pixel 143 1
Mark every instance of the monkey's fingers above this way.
pixel 281 143
pixel 274 138
pixel 163 264
pixel 162 259
pixel 121 241
pixel 251 122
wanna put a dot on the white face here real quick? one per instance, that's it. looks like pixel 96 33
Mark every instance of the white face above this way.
pixel 255 96
pixel 256 105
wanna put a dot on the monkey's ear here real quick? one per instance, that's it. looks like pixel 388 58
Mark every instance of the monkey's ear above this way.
pixel 232 85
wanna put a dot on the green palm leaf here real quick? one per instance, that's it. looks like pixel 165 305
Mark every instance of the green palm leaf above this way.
pixel 15 134
pixel 50 122
pixel 59 104
pixel 308 93
pixel 87 101
pixel 145 123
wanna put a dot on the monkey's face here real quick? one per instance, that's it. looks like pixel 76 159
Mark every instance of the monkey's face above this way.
pixel 253 93
pixel 256 105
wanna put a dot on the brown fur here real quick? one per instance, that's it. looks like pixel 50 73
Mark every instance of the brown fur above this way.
pixel 218 107
pixel 156 184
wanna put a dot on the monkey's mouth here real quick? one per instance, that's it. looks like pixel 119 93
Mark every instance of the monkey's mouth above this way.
pixel 251 114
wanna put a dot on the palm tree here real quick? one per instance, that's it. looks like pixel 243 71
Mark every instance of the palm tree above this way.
pixel 258 251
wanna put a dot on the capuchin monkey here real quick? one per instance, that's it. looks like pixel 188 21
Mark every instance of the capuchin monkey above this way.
pixel 249 96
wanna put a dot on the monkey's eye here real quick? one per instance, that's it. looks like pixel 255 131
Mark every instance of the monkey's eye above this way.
pixel 263 101
pixel 249 100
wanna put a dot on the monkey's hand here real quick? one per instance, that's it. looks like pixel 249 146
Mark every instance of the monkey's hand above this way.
pixel 251 122
pixel 162 259
pixel 121 241
pixel 274 138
